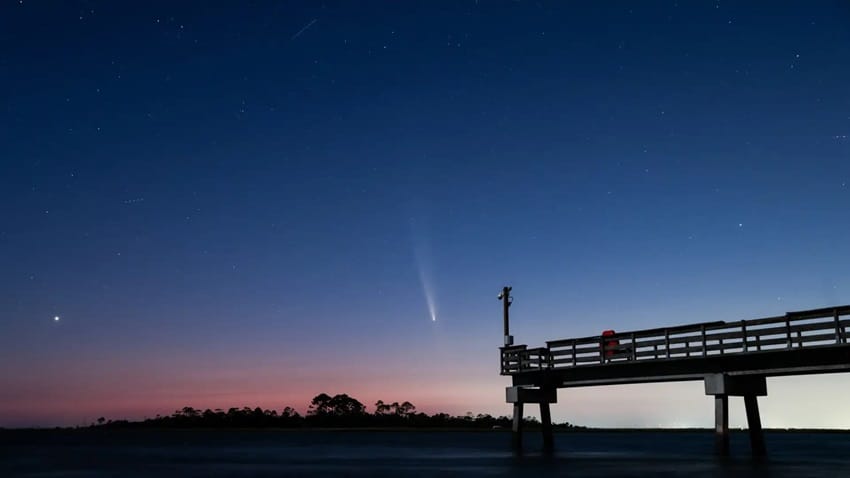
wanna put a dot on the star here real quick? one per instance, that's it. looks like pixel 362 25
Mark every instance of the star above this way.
pixel 56 318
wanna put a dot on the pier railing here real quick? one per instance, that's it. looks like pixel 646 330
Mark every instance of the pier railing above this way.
pixel 810 328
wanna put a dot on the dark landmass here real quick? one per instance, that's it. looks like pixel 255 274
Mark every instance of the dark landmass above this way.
pixel 325 412
pixel 342 412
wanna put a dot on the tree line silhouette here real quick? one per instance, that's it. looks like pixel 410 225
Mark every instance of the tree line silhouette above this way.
pixel 324 411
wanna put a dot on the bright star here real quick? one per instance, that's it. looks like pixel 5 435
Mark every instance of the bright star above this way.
pixel 56 318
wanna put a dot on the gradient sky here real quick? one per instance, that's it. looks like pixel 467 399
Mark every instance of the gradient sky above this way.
pixel 249 203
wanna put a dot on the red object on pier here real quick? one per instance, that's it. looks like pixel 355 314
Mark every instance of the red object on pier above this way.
pixel 610 345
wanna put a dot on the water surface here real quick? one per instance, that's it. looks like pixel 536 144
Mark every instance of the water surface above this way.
pixel 267 453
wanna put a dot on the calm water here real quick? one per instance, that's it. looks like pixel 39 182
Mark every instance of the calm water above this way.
pixel 418 454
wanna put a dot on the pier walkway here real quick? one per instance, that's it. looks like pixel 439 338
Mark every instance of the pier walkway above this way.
pixel 732 358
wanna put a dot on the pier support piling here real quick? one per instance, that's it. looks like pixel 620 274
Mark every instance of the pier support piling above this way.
pixel 516 431
pixel 754 424
pixel 546 424
pixel 543 396
pixel 722 386
pixel 721 425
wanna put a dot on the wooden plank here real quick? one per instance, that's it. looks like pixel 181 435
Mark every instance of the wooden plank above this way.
pixel 684 351
pixel 679 328
pixel 824 312
pixel 641 352
pixel 567 353
pixel 711 339
pixel 828 312
pixel 569 360
pixel 593 362
pixel 768 343
pixel 784 329
pixel 779 362
pixel 780 330
pixel 807 339
pixel 825 325
pixel 594 358
pixel 568 342
pixel 778 319
pixel 569 350
pixel 667 341
pixel 581 360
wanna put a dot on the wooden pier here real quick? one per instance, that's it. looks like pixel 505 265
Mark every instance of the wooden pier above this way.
pixel 731 358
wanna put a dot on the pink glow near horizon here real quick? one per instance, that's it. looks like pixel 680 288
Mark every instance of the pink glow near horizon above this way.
pixel 75 400
pixel 652 405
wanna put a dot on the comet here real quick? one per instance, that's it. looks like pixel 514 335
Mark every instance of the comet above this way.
pixel 423 262
pixel 427 289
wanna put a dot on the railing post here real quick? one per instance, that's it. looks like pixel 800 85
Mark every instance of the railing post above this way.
pixel 575 359
pixel 634 348
pixel 837 329
pixel 601 349
pixel 744 335
pixel 704 352
pixel 788 332
pixel 799 338
pixel 720 342
pixel 667 341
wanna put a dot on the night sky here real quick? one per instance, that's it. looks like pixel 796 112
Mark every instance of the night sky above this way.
pixel 250 203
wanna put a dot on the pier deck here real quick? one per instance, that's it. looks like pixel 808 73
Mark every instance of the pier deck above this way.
pixel 804 342
pixel 732 358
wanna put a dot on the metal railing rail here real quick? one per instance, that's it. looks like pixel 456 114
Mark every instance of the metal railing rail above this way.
pixel 809 328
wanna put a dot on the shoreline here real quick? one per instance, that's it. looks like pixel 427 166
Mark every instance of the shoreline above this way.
pixel 409 430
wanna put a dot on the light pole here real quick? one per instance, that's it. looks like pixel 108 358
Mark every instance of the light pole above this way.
pixel 505 297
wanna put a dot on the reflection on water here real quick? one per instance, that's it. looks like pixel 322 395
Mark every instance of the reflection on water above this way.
pixel 357 453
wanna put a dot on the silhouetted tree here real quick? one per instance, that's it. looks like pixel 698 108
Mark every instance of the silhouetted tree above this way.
pixel 405 409
pixel 381 408
pixel 320 405
pixel 340 410
pixel 344 406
